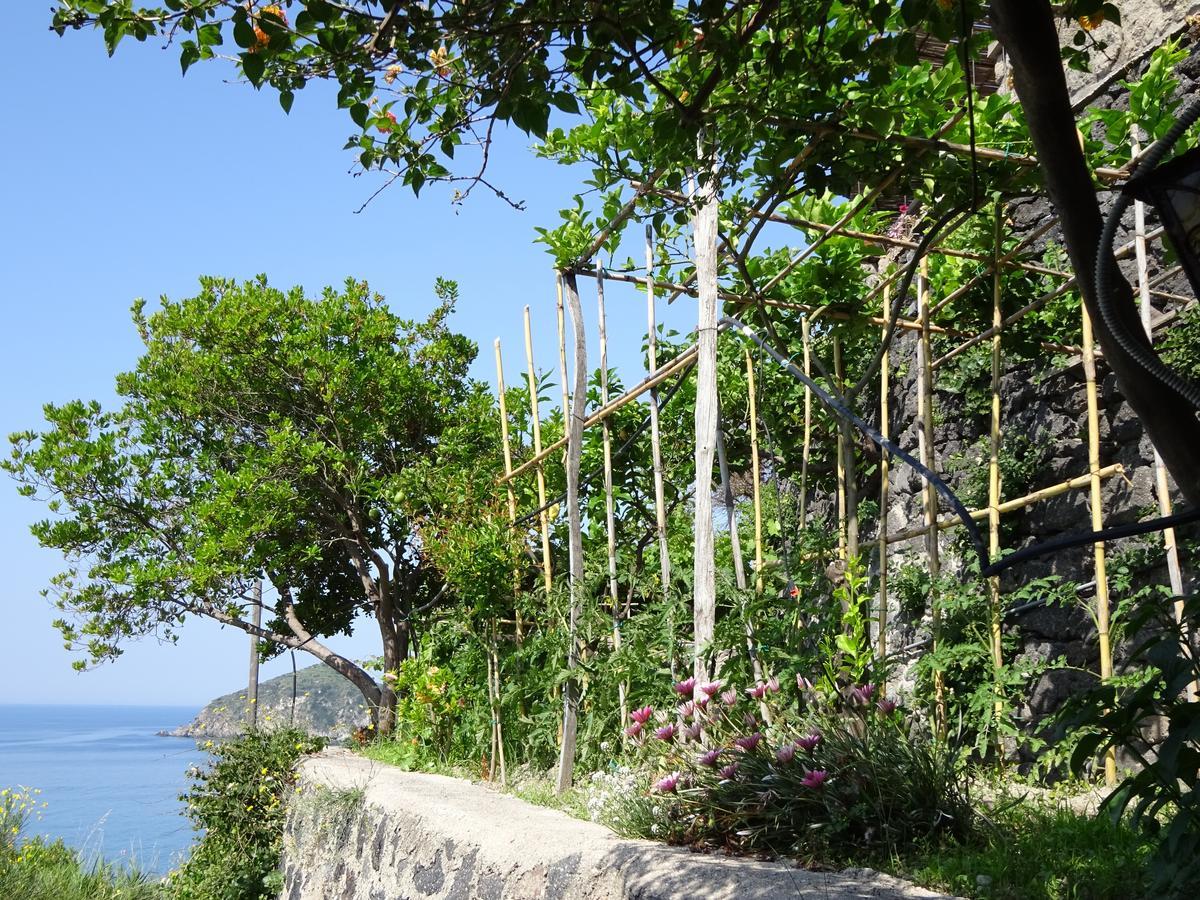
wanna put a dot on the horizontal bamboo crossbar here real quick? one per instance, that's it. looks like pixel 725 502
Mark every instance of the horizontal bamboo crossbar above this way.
pixel 1008 506
pixel 653 380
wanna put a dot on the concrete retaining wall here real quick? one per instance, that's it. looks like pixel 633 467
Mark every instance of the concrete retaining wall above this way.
pixel 360 830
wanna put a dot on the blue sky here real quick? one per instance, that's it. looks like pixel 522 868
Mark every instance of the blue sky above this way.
pixel 124 180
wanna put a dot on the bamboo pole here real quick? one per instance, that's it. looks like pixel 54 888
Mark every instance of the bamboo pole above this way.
pixel 685 358
pixel 566 763
pixel 929 495
pixel 508 485
pixel 952 521
pixel 1102 598
pixel 252 683
pixel 756 473
pixel 499 716
pixel 660 504
pixel 1161 486
pixel 562 352
pixel 996 610
pixel 840 466
pixel 536 421
pixel 884 488
pixel 610 524
pixel 806 342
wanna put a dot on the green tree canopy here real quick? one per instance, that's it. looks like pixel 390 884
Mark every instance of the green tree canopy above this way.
pixel 262 434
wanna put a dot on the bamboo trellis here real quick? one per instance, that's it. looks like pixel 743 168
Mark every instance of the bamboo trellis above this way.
pixel 995 264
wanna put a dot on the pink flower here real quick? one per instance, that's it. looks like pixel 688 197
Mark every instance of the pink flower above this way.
pixel 686 710
pixel 729 771
pixel 729 697
pixel 667 785
pixel 862 694
pixel 701 704
pixel 634 730
pixel 692 732
pixel 710 688
pixel 809 741
pixel 773 685
pixel 749 720
pixel 758 691
pixel 815 778
pixel 709 759
pixel 803 684
pixel 748 742
pixel 887 706
pixel 902 208
pixel 665 733
pixel 642 716
pixel 786 753
pixel 686 687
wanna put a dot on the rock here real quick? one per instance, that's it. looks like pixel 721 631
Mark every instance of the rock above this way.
pixel 327 705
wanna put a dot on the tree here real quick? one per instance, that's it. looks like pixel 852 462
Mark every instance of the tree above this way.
pixel 262 434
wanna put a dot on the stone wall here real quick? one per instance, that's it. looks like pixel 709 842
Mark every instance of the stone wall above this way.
pixel 360 830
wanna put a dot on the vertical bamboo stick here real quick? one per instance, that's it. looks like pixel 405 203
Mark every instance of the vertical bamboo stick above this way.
pixel 609 505
pixel 841 455
pixel 1102 598
pixel 508 466
pixel 848 468
pixel 536 421
pixel 497 713
pixel 1162 488
pixel 757 475
pixel 804 450
pixel 566 762
pixel 994 599
pixel 929 495
pixel 252 683
pixel 884 488
pixel 562 355
pixel 660 503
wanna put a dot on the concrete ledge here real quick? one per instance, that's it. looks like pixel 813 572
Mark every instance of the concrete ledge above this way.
pixel 360 830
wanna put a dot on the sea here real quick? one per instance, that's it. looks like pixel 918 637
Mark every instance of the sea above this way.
pixel 109 783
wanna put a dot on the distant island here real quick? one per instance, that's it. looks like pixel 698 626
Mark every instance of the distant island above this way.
pixel 326 705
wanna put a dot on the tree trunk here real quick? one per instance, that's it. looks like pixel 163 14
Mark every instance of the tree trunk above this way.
pixel 704 225
pixel 1026 30
pixel 566 762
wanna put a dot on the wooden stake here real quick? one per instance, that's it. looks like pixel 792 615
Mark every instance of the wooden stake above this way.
pixel 498 712
pixel 536 421
pixel 704 226
pixel 1102 598
pixel 562 355
pixel 804 450
pixel 512 496
pixel 848 468
pixel 757 474
pixel 252 684
pixel 566 762
pixel 1161 486
pixel 841 455
pixel 609 505
pixel 660 504
pixel 884 488
pixel 929 495
pixel 996 609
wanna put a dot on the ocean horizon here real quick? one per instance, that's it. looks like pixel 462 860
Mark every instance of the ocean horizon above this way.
pixel 109 782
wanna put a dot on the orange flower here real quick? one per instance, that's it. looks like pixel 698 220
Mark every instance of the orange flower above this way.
pixel 1092 22
pixel 276 11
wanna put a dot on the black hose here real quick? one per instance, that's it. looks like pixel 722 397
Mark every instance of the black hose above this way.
pixel 1106 268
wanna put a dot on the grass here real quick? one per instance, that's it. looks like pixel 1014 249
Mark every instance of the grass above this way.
pixel 1035 851
pixel 37 870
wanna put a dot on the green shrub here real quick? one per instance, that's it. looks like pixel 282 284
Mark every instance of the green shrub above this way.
pixel 833 771
pixel 239 801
